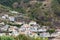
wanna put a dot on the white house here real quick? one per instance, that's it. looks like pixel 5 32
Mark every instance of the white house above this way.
pixel 11 18
pixel 15 33
pixel 25 25
pixel 4 28
pixel 33 29
pixel 44 34
pixel 19 23
pixel 12 28
pixel 42 30
pixel 5 16
pixel 32 23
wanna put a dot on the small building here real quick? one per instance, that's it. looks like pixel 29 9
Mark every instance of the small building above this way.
pixel 19 23
pixel 15 33
pixel 11 18
pixel 11 28
pixel 42 30
pixel 5 16
pixel 32 23
pixel 4 28
pixel 44 34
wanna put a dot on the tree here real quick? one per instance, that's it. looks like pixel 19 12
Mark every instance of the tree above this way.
pixel 51 31
pixel 56 7
pixel 58 1
pixel 23 37
pixel 8 2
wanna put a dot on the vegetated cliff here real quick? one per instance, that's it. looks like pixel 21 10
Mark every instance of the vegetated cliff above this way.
pixel 44 12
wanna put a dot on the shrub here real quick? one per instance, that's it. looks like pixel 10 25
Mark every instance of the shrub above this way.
pixel 51 31
pixel 23 37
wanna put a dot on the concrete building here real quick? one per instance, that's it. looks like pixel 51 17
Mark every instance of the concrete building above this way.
pixel 11 18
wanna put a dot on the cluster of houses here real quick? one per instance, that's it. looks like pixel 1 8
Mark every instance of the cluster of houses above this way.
pixel 10 18
pixel 31 28
pixel 28 29
pixel 18 17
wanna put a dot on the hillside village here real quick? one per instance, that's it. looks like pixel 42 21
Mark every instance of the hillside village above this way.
pixel 33 18
pixel 13 27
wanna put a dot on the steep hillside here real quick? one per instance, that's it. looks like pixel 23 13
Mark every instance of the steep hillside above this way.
pixel 44 12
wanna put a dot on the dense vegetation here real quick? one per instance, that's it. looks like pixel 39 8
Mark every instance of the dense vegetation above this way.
pixel 51 31
pixel 8 2
pixel 56 7
pixel 58 1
